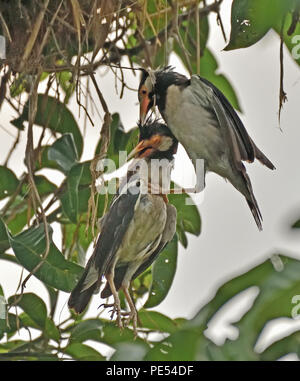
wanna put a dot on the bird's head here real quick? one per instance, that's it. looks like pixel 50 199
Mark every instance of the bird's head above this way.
pixel 153 88
pixel 156 142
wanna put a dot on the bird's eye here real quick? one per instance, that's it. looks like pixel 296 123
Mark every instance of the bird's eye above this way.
pixel 138 183
pixel 144 92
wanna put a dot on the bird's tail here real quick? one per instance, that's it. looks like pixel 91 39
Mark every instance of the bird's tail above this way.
pixel 262 157
pixel 251 200
pixel 85 288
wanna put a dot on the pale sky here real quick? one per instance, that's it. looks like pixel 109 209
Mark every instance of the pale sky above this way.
pixel 230 242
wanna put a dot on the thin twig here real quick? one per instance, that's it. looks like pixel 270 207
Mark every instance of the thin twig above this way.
pixel 105 138
pixel 282 93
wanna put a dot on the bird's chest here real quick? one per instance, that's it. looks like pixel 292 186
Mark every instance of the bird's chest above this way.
pixel 145 229
pixel 194 125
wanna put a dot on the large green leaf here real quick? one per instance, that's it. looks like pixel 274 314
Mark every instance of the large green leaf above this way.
pixel 83 352
pixel 17 215
pixel 252 19
pixel 102 331
pixel 69 199
pixel 29 247
pixel 129 351
pixel 184 345
pixel 9 182
pixel 163 273
pixel 14 324
pixel 34 307
pixel 64 152
pixel 188 34
pixel 155 321
pixel 188 217
pixel 4 243
pixel 54 115
pixel 274 300
pixel 292 41
pixel 253 277
pixel 288 344
pixel 209 70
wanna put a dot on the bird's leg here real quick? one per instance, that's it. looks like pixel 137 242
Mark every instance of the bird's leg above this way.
pixel 117 304
pixel 132 315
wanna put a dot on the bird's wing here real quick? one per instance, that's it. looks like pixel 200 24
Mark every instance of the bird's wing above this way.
pixel 231 125
pixel 117 221
pixel 167 235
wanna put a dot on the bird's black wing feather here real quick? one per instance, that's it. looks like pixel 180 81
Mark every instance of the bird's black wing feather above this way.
pixel 236 121
pixel 116 224
pixel 113 230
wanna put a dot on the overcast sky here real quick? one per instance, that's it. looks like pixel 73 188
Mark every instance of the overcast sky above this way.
pixel 230 242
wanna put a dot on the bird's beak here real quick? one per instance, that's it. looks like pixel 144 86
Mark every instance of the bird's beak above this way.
pixel 147 145
pixel 144 105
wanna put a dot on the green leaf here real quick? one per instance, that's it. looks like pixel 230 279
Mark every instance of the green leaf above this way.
pixel 4 243
pixel 34 307
pixel 275 298
pixel 29 248
pixel 188 217
pixel 288 344
pixel 83 352
pixel 13 325
pixel 69 199
pixel 292 41
pixel 119 140
pixel 184 345
pixel 188 34
pixel 102 331
pixel 156 321
pixel 209 70
pixel 278 282
pixel 44 186
pixel 17 215
pixel 51 330
pixel 54 115
pixel 11 345
pixel 9 182
pixel 89 329
pixel 129 351
pixel 64 152
pixel 252 19
pixel 296 225
pixel 253 277
pixel 163 273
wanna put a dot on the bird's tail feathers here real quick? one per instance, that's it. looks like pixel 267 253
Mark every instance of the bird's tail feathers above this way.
pixel 251 200
pixel 262 157
pixel 85 288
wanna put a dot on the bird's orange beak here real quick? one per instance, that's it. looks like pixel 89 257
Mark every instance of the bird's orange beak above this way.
pixel 144 106
pixel 148 146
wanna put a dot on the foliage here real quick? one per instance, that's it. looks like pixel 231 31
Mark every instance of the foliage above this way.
pixel 61 43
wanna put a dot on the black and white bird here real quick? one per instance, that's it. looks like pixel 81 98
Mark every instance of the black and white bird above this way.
pixel 205 123
pixel 136 228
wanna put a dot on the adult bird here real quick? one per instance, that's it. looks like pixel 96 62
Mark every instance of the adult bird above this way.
pixel 136 228
pixel 205 123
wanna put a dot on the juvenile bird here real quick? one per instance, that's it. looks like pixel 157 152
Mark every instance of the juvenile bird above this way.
pixel 136 228
pixel 205 123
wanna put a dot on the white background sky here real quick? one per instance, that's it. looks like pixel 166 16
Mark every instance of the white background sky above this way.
pixel 230 242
